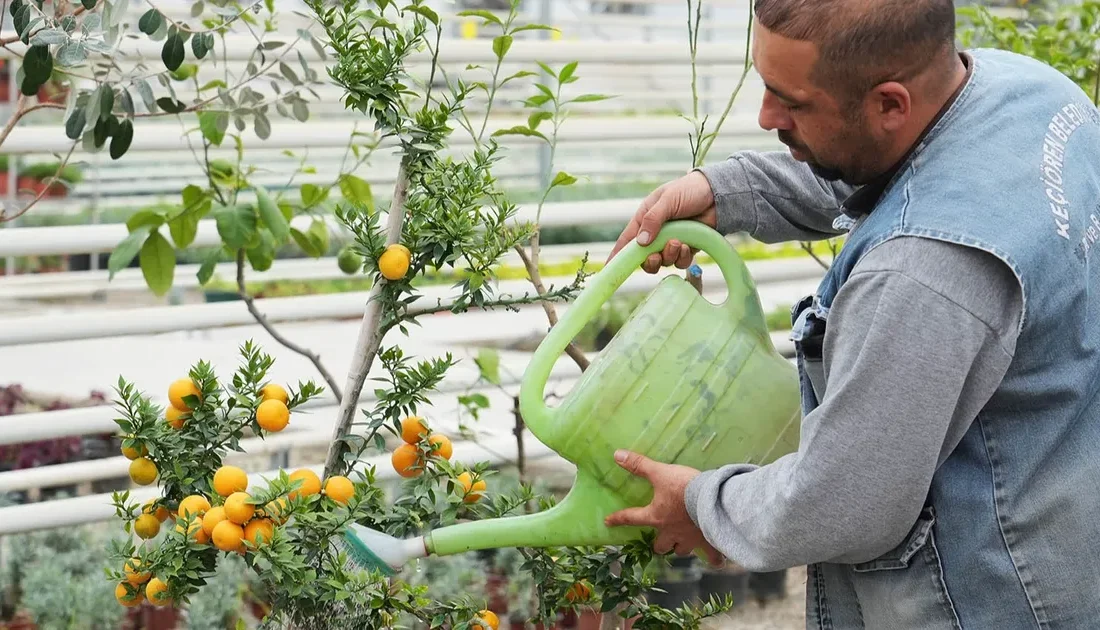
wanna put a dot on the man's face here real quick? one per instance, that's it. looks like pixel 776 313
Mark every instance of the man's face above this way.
pixel 833 140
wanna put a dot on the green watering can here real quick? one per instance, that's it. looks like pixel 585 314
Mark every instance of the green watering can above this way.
pixel 684 381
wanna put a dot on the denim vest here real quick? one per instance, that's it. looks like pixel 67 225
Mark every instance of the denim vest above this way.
pixel 1010 534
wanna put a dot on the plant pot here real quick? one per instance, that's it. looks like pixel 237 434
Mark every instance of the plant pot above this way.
pixel 159 617
pixel 21 621
pixel 724 582
pixel 679 585
pixel 766 586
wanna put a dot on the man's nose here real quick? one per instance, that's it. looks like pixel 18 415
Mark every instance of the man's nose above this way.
pixel 773 116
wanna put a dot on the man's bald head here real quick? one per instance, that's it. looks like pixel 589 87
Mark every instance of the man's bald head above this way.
pixel 862 43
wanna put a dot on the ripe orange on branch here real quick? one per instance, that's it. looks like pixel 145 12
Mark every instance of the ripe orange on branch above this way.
pixel 180 389
pixel 412 428
pixel 238 509
pixel 175 417
pixel 194 505
pixel 471 490
pixel 274 391
pixel 394 262
pixel 273 415
pixel 311 483
pixel 143 471
pixel 230 479
pixel 339 489
pixel 407 461
pixel 444 449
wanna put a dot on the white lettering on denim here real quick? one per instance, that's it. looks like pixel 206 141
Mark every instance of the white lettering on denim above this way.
pixel 1092 234
pixel 1060 129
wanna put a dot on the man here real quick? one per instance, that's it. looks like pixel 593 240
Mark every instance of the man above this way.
pixel 948 472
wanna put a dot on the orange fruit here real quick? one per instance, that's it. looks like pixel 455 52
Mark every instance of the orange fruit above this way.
pixel 412 428
pixel 394 262
pixel 227 536
pixel 489 618
pixel 175 417
pixel 578 592
pixel 146 526
pixel 134 574
pixel 272 415
pixel 406 461
pixel 444 449
pixel 211 519
pixel 143 471
pixel 466 480
pixel 230 479
pixel 159 511
pixel 311 483
pixel 257 528
pixel 273 391
pixel 238 509
pixel 277 510
pixel 194 505
pixel 157 592
pixel 195 530
pixel 128 595
pixel 180 388
pixel 339 489
pixel 131 452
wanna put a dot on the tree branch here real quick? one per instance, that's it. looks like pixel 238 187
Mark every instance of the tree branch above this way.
pixel 532 265
pixel 250 302
pixel 370 332
pixel 440 307
pixel 810 250
pixel 4 217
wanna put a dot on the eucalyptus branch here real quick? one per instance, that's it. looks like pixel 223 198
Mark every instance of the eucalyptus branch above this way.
pixel 562 294
pixel 22 110
pixel 223 25
pixel 261 319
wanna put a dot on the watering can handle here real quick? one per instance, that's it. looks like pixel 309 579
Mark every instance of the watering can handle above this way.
pixel 602 285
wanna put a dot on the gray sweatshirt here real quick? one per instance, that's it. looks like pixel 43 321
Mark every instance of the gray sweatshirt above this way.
pixel 918 339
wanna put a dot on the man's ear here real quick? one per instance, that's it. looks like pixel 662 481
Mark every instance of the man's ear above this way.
pixel 891 105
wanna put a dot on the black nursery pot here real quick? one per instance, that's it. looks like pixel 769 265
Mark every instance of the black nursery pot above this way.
pixel 680 585
pixel 723 583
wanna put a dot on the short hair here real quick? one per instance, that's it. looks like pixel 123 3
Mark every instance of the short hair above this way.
pixel 862 43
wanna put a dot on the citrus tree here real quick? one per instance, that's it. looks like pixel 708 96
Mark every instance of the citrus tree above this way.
pixel 445 213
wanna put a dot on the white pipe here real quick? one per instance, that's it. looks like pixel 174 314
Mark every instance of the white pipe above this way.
pixel 98 508
pixel 42 328
pixel 294 135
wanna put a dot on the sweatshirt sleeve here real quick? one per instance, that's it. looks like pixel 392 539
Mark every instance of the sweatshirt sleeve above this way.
pixel 917 341
pixel 773 197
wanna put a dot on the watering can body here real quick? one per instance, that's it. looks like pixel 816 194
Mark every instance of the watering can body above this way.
pixel 685 381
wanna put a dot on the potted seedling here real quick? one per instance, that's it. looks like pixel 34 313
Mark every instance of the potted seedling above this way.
pixel 44 176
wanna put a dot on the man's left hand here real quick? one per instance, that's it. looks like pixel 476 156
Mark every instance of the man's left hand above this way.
pixel 666 512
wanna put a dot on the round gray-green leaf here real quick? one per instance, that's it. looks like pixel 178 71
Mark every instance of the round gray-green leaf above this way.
pixel 172 53
pixel 150 21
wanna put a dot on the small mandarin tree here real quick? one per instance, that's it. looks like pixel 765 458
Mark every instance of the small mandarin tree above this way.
pixel 446 213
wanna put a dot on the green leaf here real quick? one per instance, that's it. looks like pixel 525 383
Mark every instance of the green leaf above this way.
pixel 37 68
pixel 124 253
pixel 308 245
pixel 563 179
pixel 313 195
pixel 150 21
pixel 49 37
pixel 71 54
pixel 262 255
pixel 263 126
pixel 198 46
pixel 519 75
pixel 534 27
pixel 185 225
pixel 272 217
pixel 74 126
pixel 172 53
pixel 318 231
pixel 356 191
pixel 537 117
pixel 216 83
pixel 121 139
pixel 537 100
pixel 146 93
pixel 142 218
pixel 88 4
pixel 428 14
pixel 519 130
pixel 206 269
pixel 213 125
pixel 483 14
pixel 590 98
pixel 567 72
pixel 158 263
pixel 488 362
pixel 170 105
pixel 550 71
pixel 236 226
pixel 501 45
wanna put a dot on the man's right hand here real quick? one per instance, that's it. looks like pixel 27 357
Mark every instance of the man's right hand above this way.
pixel 688 197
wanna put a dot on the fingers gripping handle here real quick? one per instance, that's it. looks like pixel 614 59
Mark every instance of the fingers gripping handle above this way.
pixel 602 285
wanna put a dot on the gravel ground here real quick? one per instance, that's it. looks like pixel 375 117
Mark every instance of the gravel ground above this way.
pixel 777 614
